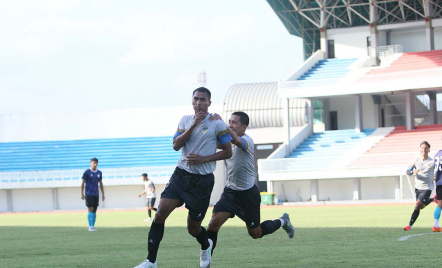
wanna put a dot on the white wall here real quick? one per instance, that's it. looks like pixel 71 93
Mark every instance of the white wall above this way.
pixel 119 123
pixel 411 40
pixel 3 201
pixel 350 42
pixel 368 119
pixel 32 200
pixel 382 38
pixel 70 198
pixel 335 190
pixel 378 188
pixel 438 38
pixel 345 106
pixel 292 191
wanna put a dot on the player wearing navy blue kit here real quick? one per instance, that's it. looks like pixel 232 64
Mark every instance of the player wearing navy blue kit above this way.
pixel 193 180
pixel 438 177
pixel 92 177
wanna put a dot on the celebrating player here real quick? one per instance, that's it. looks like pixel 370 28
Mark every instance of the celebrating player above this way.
pixel 149 191
pixel 92 177
pixel 241 195
pixel 193 180
pixel 423 167
pixel 438 177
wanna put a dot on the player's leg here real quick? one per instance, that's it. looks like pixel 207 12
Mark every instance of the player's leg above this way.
pixel 94 211
pixel 218 219
pixel 90 217
pixel 149 209
pixel 152 204
pixel 438 209
pixel 421 199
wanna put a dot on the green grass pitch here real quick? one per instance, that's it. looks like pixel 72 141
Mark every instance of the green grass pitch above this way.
pixel 326 236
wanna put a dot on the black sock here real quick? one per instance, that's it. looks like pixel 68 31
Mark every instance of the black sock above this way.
pixel 414 217
pixel 154 209
pixel 149 213
pixel 214 237
pixel 203 239
pixel 153 242
pixel 269 227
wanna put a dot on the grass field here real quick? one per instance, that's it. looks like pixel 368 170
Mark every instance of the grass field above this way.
pixel 326 236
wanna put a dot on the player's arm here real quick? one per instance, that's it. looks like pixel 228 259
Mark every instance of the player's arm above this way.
pixel 102 188
pixel 225 153
pixel 82 188
pixel 153 189
pixel 182 136
pixel 143 193
pixel 410 170
pixel 235 138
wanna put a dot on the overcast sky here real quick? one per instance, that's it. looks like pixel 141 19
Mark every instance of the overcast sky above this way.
pixel 95 55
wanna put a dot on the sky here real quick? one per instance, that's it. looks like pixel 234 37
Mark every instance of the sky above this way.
pixel 67 56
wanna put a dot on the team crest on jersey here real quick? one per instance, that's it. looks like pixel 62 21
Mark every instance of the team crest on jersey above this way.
pixel 205 129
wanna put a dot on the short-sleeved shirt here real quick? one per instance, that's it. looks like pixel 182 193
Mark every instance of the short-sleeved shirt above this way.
pixel 438 167
pixel 241 173
pixel 424 178
pixel 92 178
pixel 203 141
pixel 148 186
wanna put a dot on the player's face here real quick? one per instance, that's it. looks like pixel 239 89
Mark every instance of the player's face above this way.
pixel 424 149
pixel 143 178
pixel 201 102
pixel 235 125
pixel 94 165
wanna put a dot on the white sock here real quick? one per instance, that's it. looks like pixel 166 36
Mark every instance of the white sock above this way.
pixel 436 223
pixel 282 222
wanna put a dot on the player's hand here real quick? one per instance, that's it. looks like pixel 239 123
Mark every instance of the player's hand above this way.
pixel 82 196
pixel 103 198
pixel 199 117
pixel 194 159
pixel 416 171
pixel 215 117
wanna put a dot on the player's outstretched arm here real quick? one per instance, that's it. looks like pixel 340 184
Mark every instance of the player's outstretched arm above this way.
pixel 226 153
pixel 102 189
pixel 144 191
pixel 82 189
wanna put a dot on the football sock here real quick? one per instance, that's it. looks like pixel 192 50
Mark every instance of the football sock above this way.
pixel 94 217
pixel 437 212
pixel 202 238
pixel 414 217
pixel 153 242
pixel 149 213
pixel 214 237
pixel 89 218
pixel 269 227
pixel 154 209
pixel 282 221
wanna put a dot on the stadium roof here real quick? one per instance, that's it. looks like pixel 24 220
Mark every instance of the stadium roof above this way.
pixel 305 18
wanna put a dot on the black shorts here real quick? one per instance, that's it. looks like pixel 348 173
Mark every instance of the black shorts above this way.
pixel 91 201
pixel 423 195
pixel 150 202
pixel 244 204
pixel 193 189
pixel 439 192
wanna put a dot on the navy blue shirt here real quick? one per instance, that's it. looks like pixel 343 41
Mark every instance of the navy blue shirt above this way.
pixel 438 167
pixel 92 178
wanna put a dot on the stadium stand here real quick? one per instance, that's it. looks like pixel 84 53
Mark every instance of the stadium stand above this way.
pixel 400 146
pixel 330 69
pixel 328 146
pixel 68 155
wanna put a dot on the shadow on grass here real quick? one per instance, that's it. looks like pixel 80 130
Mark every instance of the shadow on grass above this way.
pixel 126 247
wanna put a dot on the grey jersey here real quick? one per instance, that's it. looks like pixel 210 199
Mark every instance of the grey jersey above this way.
pixel 425 176
pixel 203 141
pixel 241 173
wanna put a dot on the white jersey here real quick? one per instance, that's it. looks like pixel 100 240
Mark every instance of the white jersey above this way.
pixel 241 173
pixel 425 176
pixel 203 141
pixel 148 186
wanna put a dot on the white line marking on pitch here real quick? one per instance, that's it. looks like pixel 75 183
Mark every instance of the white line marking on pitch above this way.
pixel 404 238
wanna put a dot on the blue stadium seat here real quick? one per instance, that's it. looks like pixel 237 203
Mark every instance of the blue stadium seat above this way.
pixel 320 150
pixel 75 154
pixel 326 71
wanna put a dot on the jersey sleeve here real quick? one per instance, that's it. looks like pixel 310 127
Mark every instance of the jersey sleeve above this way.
pixel 101 176
pixel 85 176
pixel 223 135
pixel 181 127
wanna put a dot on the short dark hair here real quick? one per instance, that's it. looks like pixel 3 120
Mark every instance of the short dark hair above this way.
pixel 426 143
pixel 144 175
pixel 94 160
pixel 243 118
pixel 203 89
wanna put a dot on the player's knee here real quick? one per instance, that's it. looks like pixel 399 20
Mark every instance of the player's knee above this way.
pixel 194 231
pixel 213 226
pixel 254 233
pixel 159 217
